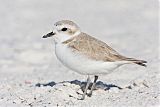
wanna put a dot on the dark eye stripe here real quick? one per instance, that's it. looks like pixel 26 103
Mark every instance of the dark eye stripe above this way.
pixel 64 29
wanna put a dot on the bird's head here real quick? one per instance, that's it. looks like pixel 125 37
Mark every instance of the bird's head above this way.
pixel 63 30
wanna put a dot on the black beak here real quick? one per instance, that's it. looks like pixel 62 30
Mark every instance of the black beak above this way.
pixel 49 35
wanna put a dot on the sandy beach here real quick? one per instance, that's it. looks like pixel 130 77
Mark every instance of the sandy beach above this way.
pixel 32 76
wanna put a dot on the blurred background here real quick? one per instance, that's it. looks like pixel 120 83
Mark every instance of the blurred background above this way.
pixel 129 26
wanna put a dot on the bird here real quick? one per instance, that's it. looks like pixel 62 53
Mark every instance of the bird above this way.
pixel 85 54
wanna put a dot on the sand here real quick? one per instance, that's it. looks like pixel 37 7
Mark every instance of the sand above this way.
pixel 31 75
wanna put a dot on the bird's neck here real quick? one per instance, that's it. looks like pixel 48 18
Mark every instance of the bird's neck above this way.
pixel 60 38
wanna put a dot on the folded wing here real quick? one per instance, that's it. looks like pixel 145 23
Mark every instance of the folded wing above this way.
pixel 98 50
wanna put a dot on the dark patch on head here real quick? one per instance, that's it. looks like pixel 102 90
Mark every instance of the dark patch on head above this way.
pixel 64 29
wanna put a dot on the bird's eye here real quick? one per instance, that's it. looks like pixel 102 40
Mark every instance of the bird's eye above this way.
pixel 64 29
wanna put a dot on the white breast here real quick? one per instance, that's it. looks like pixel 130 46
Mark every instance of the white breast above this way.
pixel 82 64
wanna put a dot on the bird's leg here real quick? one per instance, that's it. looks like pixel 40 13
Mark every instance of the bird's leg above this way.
pixel 86 88
pixel 93 86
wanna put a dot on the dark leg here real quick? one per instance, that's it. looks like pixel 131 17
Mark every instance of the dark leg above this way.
pixel 85 91
pixel 93 86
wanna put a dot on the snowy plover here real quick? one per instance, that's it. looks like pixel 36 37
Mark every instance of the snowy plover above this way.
pixel 85 54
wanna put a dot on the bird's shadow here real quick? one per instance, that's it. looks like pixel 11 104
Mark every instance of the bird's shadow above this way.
pixel 99 84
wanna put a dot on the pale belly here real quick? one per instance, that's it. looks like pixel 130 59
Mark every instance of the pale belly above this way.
pixel 82 64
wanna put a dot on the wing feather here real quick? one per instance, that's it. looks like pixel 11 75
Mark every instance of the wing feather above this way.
pixel 97 50
pixel 93 48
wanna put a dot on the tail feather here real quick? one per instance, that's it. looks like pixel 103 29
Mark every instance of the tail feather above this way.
pixel 139 62
pixel 142 63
